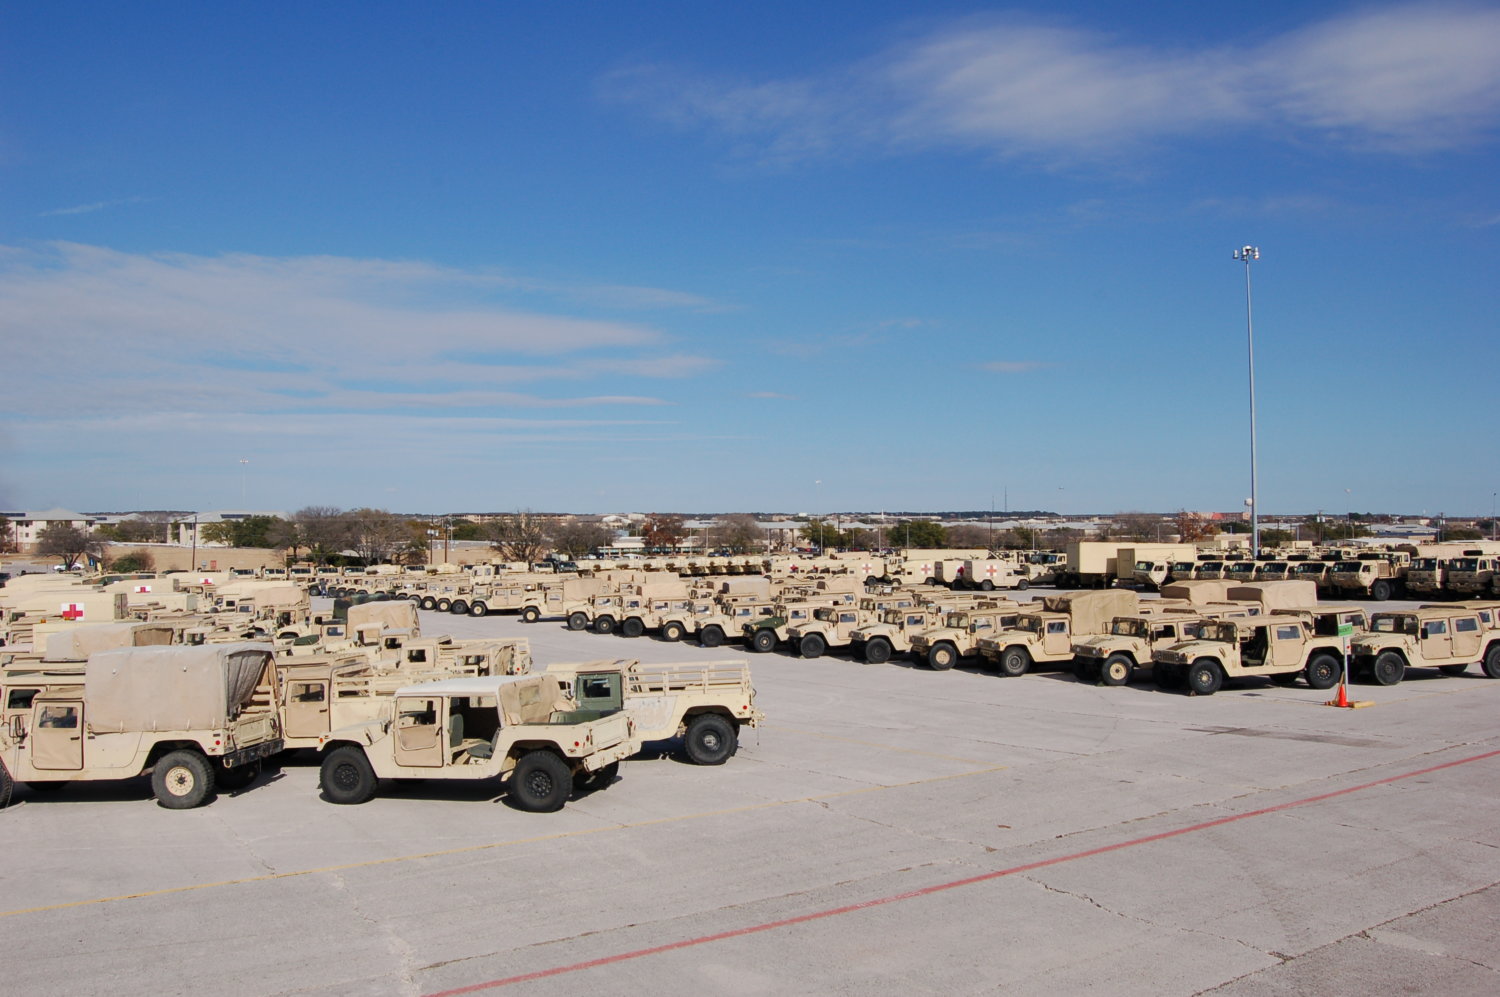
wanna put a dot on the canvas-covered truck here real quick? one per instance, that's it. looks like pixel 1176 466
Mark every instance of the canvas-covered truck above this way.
pixel 1448 638
pixel 521 729
pixel 1281 648
pixel 1046 636
pixel 196 718
pixel 1091 564
pixel 703 703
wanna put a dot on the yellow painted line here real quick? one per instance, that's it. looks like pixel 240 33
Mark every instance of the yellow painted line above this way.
pixel 468 849
pixel 874 744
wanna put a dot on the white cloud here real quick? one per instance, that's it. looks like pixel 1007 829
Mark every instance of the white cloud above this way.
pixel 1407 78
pixel 88 209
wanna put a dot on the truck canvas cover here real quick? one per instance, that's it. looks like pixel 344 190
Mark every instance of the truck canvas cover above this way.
pixel 397 615
pixel 1092 612
pixel 1197 591
pixel 1289 594
pixel 172 688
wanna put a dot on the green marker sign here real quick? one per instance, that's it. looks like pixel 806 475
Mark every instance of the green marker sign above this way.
pixel 1346 630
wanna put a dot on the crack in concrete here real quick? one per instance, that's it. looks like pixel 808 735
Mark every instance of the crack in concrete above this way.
pixel 395 944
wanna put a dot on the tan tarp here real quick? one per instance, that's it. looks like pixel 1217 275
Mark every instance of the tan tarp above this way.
pixel 172 688
pixel 77 643
pixel 1197 591
pixel 532 701
pixel 1289 594
pixel 394 615
pixel 1092 612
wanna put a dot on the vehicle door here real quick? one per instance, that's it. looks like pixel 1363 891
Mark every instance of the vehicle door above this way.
pixel 305 709
pixel 57 734
pixel 1056 639
pixel 1436 641
pixel 1286 645
pixel 1468 637
pixel 419 731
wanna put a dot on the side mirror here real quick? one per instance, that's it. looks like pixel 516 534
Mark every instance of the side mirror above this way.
pixel 17 727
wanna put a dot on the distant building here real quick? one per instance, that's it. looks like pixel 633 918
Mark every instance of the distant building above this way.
pixel 29 525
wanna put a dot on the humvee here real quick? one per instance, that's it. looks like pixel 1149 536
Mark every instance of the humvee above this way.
pixel 765 633
pixel 1282 648
pixel 519 728
pixel 1115 657
pixel 960 633
pixel 876 643
pixel 196 718
pixel 1047 634
pixel 832 626
pixel 1449 638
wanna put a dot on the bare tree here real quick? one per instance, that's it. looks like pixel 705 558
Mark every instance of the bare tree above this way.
pixel 1191 526
pixel 286 534
pixel 324 529
pixel 737 533
pixel 375 534
pixel 519 536
pixel 1137 526
pixel 577 539
pixel 971 535
pixel 664 530
pixel 66 541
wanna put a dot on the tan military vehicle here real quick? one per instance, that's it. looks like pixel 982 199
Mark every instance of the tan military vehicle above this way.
pixel 1449 638
pixel 767 632
pixel 560 598
pixel 194 717
pixel 725 620
pixel 878 642
pixel 832 627
pixel 1472 574
pixel 960 634
pixel 1046 635
pixel 703 703
pixel 520 728
pixel 1377 575
pixel 1115 658
pixel 988 574
pixel 1281 648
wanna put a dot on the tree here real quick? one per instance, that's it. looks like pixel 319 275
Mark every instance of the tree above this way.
pixel 664 530
pixel 737 533
pixel 376 534
pixel 7 537
pixel 138 529
pixel 917 533
pixel 324 529
pixel 1276 538
pixel 416 543
pixel 1136 526
pixel 970 535
pixel 68 542
pixel 134 561
pixel 577 539
pixel 822 535
pixel 1191 526
pixel 520 536
pixel 286 534
pixel 1461 533
pixel 466 529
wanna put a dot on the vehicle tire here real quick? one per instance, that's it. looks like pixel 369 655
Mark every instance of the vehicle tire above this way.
pixel 1389 668
pixel 530 614
pixel 427 602
pixel 763 640
pixel 479 609
pixel 458 607
pixel 346 776
pixel 710 740
pixel 1204 677
pixel 1453 669
pixel 578 621
pixel 236 778
pixel 1492 661
pixel 878 651
pixel 812 646
pixel 986 586
pixel 1117 669
pixel 587 782
pixel 632 627
pixel 604 624
pixel 1380 591
pixel 1014 661
pixel 541 782
pixel 182 779
pixel 673 631
pixel 7 786
pixel 1323 671
pixel 942 656
pixel 711 636
pixel 444 605
pixel 930 580
pixel 1023 584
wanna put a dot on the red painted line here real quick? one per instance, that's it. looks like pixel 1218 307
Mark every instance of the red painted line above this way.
pixel 542 974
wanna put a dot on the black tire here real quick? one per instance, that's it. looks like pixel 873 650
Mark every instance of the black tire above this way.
pixel 931 581
pixel 673 631
pixel 1380 591
pixel 1014 661
pixel 878 651
pixel 588 782
pixel 182 780
pixel 1204 677
pixel 632 627
pixel 1492 661
pixel 1023 584
pixel 1389 668
pixel 530 614
pixel 458 607
pixel 1323 671
pixel 577 621
pixel 479 609
pixel 427 602
pixel 7 786
pixel 346 776
pixel 942 656
pixel 812 646
pixel 541 782
pixel 444 605
pixel 1117 669
pixel 763 640
pixel 986 586
pixel 711 636
pixel 710 740
pixel 239 777
pixel 1453 669
pixel 604 624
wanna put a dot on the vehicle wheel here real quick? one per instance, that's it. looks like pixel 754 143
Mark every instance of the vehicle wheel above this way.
pixel 1204 678
pixel 1453 669
pixel 930 581
pixel 182 780
pixel 711 636
pixel 7 785
pixel 458 607
pixel 577 621
pixel 763 640
pixel 541 782
pixel 986 586
pixel 941 657
pixel 1023 584
pixel 530 614
pixel 346 776
pixel 1492 661
pixel 427 602
pixel 673 631
pixel 604 625
pixel 444 605
pixel 1014 661
pixel 1381 590
pixel 811 646
pixel 878 651
pixel 588 782
pixel 236 778
pixel 632 628
pixel 479 609
pixel 711 740
pixel 1388 669
pixel 1117 669
pixel 1324 671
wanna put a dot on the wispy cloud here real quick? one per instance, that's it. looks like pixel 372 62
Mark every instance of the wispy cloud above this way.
pixel 85 209
pixel 1014 366
pixel 1409 79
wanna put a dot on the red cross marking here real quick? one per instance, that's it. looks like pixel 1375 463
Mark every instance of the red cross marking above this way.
pixel 991 570
pixel 72 611
pixel 143 588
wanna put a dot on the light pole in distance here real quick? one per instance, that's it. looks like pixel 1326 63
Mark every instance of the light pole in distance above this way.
pixel 1249 254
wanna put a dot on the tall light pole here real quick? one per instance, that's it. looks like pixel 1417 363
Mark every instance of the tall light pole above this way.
pixel 1249 254
pixel 243 462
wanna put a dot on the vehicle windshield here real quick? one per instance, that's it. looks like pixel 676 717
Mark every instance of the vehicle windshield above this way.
pixel 1277 566
pixel 891 616
pixel 956 620
pixel 1424 564
pixel 1128 628
pixel 1393 623
pixel 1310 569
pixel 823 613
pixel 1211 566
pixel 1182 567
pixel 1466 564
pixel 1242 568
pixel 1347 567
pixel 1031 624
pixel 1220 631
pixel 1144 565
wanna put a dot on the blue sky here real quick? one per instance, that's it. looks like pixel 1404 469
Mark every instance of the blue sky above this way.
pixel 772 256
